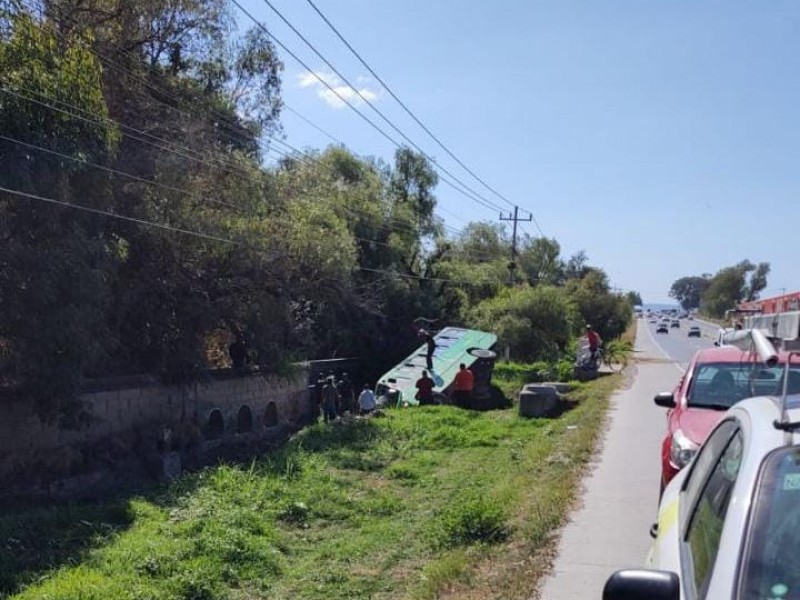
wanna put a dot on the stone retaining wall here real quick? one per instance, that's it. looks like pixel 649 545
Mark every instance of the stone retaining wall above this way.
pixel 139 416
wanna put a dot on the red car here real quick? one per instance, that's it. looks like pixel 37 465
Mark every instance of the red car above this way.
pixel 716 379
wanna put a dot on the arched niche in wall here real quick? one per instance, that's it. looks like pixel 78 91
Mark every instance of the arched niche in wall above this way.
pixel 271 415
pixel 244 420
pixel 216 425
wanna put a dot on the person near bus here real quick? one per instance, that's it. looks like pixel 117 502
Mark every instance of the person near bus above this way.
pixel 462 386
pixel 424 387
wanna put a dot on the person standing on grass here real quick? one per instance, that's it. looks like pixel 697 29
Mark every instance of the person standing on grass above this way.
pixel 345 389
pixel 462 386
pixel 366 401
pixel 424 387
pixel 330 397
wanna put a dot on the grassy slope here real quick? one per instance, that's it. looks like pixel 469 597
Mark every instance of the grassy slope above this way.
pixel 422 503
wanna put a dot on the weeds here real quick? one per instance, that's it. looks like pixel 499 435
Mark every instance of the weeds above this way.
pixel 472 520
pixel 349 510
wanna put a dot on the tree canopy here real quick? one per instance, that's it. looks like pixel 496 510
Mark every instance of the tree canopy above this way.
pixel 722 291
pixel 145 228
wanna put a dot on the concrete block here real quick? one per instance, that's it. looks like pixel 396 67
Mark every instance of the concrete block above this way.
pixel 545 389
pixel 537 404
pixel 561 387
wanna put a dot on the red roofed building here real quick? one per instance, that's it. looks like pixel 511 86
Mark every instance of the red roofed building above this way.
pixel 775 304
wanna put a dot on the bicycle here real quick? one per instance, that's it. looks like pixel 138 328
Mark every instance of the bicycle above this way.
pixel 613 358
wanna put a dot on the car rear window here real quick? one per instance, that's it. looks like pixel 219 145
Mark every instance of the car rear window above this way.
pixel 771 563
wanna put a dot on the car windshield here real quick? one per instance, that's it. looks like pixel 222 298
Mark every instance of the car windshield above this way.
pixel 772 561
pixel 721 385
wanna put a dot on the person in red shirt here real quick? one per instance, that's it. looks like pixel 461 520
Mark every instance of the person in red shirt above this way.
pixel 594 340
pixel 424 389
pixel 462 386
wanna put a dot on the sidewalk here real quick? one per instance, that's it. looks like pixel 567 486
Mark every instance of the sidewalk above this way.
pixel 609 529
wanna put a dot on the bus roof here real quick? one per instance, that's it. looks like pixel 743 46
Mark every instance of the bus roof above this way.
pixel 452 348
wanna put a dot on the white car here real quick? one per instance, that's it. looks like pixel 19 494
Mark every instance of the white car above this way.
pixel 729 524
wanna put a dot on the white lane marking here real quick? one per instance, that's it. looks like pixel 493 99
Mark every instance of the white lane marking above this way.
pixel 664 352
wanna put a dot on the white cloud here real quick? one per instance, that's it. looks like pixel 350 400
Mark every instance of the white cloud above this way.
pixel 338 92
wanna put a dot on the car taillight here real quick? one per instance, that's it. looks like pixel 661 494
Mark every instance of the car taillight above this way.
pixel 681 449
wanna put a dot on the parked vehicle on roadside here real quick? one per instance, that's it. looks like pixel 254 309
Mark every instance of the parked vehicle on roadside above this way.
pixel 728 525
pixel 716 379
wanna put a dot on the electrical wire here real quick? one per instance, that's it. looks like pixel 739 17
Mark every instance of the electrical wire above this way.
pixel 355 109
pixel 107 169
pixel 120 217
pixel 412 115
pixel 160 91
pixel 103 121
pixel 472 193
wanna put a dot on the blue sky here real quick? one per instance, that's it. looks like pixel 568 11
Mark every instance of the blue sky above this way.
pixel 659 137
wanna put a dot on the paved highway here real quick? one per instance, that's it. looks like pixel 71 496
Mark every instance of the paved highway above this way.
pixel 677 345
pixel 609 529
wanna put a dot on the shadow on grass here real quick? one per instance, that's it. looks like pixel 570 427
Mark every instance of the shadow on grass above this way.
pixel 39 536
pixel 35 540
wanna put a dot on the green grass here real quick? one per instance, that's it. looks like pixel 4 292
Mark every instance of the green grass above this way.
pixel 401 506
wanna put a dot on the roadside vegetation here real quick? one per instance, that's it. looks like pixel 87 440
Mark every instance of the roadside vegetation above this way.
pixel 715 294
pixel 161 254
pixel 342 251
pixel 418 503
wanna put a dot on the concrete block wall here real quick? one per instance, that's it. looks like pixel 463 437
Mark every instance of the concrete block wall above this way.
pixel 117 411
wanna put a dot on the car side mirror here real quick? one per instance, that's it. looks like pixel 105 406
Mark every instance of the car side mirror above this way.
pixel 642 584
pixel 665 399
pixel 716 343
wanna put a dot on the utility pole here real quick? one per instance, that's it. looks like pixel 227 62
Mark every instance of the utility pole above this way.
pixel 512 266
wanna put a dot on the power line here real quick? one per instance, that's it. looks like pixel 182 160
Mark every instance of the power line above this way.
pixel 196 234
pixel 120 217
pixel 402 104
pixel 483 200
pixel 107 122
pixel 160 91
pixel 104 121
pixel 314 125
pixel 356 110
pixel 108 169
pixel 411 113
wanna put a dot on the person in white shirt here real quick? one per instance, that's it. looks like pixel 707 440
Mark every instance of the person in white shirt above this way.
pixel 366 400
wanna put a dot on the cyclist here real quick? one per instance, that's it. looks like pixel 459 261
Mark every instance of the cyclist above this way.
pixel 594 340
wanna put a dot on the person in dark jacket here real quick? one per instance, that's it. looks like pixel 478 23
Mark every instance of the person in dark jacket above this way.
pixel 424 387
pixel 330 398
pixel 431 343
pixel 345 389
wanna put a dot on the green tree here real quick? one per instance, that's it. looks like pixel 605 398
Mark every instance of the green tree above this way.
pixel 609 314
pixel 758 281
pixel 54 262
pixel 688 291
pixel 537 322
pixel 412 183
pixel 540 260
pixel 634 299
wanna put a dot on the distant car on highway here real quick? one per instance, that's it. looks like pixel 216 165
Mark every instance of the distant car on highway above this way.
pixel 662 328
pixel 694 331
pixel 653 320
pixel 717 378
pixel 675 323
pixel 728 525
